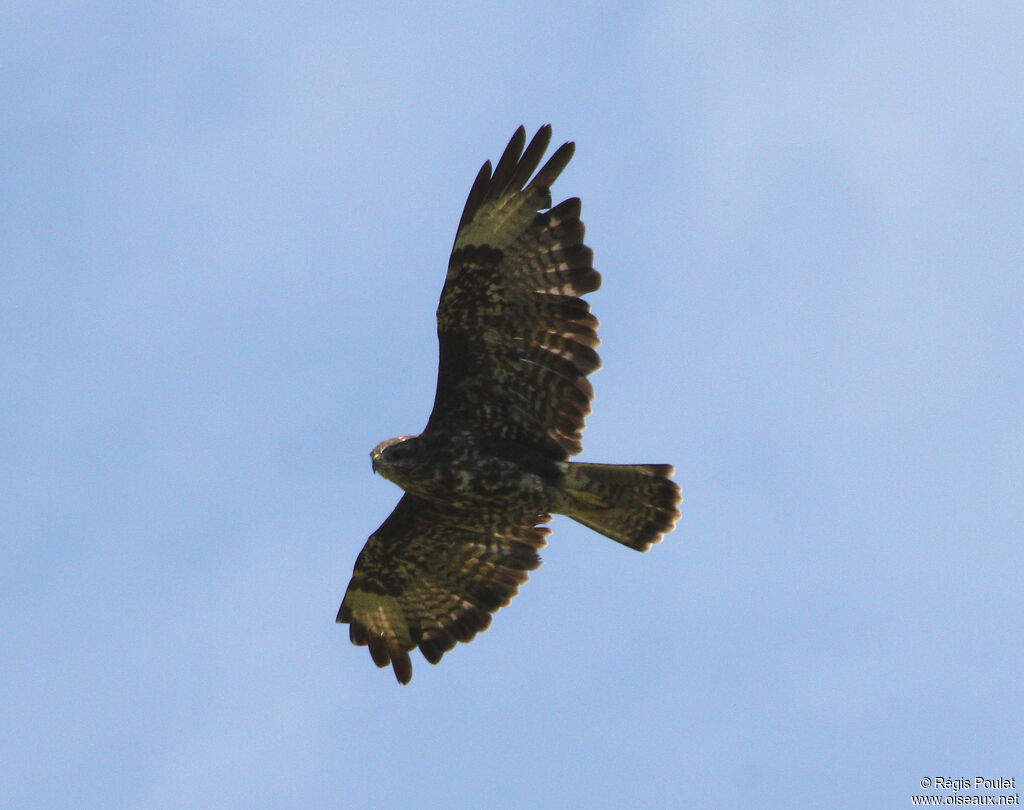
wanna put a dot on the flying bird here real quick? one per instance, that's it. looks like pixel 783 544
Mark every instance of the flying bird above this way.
pixel 517 343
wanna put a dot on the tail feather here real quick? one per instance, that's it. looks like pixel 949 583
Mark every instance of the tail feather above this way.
pixel 633 504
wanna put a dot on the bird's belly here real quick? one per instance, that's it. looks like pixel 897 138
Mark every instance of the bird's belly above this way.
pixel 484 483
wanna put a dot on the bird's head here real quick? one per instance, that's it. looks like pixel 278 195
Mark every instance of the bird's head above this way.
pixel 391 455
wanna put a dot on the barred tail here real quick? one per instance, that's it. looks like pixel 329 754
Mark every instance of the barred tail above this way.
pixel 633 504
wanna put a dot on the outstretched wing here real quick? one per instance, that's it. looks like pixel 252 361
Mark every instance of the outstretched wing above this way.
pixel 426 579
pixel 516 340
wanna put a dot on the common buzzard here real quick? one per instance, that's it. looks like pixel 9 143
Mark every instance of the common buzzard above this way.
pixel 516 345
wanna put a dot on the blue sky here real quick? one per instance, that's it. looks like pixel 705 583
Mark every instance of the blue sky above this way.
pixel 223 230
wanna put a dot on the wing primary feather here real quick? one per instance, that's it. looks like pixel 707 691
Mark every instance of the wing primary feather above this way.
pixel 476 195
pixel 530 160
pixel 379 650
pixel 556 164
pixel 402 666
pixel 506 167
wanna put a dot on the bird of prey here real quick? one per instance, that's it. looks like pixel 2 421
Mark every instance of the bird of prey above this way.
pixel 516 345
